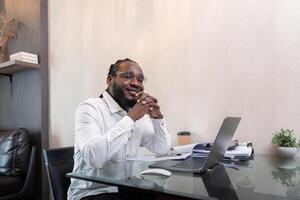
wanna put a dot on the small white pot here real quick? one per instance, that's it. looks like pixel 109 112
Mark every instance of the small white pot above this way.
pixel 286 152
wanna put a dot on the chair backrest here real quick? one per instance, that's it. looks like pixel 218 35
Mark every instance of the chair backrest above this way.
pixel 14 152
pixel 58 162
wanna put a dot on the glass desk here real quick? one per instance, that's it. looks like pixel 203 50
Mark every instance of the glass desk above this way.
pixel 265 177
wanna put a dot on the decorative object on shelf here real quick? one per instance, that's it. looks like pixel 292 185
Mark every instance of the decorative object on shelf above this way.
pixel 7 28
pixel 25 57
pixel 286 141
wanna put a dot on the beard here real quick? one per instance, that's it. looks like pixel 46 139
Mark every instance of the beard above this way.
pixel 119 96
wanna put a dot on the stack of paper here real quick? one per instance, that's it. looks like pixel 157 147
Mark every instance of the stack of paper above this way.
pixel 200 150
pixel 24 56
pixel 238 151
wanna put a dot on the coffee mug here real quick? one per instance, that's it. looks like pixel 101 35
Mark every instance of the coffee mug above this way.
pixel 184 137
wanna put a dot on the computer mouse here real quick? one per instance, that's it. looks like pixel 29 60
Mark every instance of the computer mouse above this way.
pixel 156 171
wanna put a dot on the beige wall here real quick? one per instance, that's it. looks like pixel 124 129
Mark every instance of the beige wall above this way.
pixel 204 60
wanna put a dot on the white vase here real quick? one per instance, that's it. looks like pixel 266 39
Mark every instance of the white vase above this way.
pixel 286 152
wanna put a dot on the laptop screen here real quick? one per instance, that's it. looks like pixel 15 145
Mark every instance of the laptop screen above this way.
pixel 222 141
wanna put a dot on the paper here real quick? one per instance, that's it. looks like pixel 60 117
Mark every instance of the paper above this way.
pixel 239 151
pixel 185 148
pixel 151 158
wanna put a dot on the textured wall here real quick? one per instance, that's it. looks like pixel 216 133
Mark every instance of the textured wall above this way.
pixel 204 60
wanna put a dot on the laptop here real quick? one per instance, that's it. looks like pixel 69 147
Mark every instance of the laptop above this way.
pixel 215 156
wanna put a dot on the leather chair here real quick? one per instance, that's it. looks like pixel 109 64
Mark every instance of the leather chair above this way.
pixel 58 162
pixel 17 165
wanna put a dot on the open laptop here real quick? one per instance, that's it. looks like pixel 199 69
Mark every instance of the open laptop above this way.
pixel 215 156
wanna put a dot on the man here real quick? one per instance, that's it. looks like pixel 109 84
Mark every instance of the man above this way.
pixel 114 126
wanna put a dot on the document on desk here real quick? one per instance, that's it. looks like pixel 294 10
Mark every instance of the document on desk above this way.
pixel 151 158
pixel 185 148
pixel 238 151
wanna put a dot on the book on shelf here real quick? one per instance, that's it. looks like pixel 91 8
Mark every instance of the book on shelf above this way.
pixel 25 57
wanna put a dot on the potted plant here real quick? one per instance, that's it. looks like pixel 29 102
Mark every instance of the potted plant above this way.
pixel 286 141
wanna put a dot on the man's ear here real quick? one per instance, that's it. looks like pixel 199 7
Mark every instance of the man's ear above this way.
pixel 109 80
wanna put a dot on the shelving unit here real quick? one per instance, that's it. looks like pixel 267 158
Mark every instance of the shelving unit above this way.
pixel 14 66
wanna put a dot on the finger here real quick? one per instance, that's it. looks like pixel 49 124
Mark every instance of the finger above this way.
pixel 143 97
pixel 153 99
pixel 153 105
pixel 138 96
pixel 148 98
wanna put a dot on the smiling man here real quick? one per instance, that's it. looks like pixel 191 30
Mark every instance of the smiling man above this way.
pixel 114 126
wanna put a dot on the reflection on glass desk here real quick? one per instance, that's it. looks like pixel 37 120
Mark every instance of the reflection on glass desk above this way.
pixel 265 177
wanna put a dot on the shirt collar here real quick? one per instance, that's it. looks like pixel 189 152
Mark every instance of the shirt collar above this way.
pixel 112 104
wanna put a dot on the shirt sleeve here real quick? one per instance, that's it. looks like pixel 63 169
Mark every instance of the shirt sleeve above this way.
pixel 158 140
pixel 97 146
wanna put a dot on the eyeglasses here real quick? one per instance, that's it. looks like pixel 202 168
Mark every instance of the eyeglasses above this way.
pixel 130 76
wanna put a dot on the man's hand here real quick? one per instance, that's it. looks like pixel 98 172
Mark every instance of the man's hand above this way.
pixel 138 111
pixel 145 104
pixel 154 111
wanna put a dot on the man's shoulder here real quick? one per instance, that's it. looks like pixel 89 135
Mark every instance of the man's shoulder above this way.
pixel 92 102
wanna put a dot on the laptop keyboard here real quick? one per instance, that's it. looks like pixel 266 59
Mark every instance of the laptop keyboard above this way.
pixel 191 163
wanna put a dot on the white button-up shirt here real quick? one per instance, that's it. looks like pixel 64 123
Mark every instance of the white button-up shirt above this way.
pixel 104 132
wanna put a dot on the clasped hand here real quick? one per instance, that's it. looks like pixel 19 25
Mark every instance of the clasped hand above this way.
pixel 145 104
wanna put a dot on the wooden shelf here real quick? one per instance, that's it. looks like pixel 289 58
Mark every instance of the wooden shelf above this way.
pixel 14 66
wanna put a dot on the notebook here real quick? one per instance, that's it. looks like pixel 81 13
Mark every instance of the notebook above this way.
pixel 215 156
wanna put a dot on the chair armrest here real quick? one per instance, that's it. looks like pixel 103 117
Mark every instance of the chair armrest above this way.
pixel 30 180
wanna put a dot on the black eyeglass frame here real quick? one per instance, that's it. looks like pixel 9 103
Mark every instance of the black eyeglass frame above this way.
pixel 128 75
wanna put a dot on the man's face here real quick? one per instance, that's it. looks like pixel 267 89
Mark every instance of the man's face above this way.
pixel 127 82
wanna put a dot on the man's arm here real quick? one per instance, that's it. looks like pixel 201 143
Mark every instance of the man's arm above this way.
pixel 97 145
pixel 159 140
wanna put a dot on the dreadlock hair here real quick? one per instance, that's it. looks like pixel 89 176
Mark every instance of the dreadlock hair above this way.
pixel 114 67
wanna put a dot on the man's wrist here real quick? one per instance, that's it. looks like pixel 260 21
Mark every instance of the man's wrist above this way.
pixel 133 118
pixel 158 117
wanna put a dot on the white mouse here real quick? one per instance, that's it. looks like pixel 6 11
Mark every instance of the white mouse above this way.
pixel 156 171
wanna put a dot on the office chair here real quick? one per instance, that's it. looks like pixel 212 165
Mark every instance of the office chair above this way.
pixel 58 162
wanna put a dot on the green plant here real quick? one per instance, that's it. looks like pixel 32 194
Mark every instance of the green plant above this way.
pixel 285 138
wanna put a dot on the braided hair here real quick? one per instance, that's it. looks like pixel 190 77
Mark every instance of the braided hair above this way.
pixel 114 67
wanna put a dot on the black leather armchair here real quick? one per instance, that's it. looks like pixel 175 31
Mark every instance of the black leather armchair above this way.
pixel 17 165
